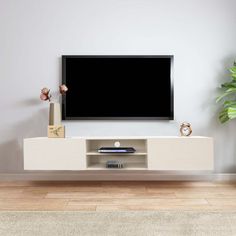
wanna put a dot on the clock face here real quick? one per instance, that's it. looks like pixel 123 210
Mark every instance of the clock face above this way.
pixel 185 131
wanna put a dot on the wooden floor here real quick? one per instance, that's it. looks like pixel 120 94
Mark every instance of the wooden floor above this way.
pixel 117 196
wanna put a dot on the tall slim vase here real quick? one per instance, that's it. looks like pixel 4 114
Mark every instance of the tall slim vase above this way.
pixel 55 113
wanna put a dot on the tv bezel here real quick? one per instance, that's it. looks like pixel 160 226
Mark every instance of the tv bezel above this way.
pixel 171 117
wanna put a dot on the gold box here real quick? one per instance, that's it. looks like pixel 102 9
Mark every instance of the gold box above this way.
pixel 56 131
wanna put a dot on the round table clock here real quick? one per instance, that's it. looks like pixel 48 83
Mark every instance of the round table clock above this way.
pixel 185 129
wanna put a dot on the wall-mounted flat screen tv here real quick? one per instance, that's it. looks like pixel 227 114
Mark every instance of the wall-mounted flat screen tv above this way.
pixel 118 87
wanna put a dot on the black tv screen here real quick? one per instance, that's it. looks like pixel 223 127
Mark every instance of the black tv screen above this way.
pixel 117 87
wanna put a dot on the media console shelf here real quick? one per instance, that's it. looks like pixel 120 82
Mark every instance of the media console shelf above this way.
pixel 152 153
pixel 133 161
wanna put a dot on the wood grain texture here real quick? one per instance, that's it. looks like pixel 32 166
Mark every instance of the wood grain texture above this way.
pixel 117 196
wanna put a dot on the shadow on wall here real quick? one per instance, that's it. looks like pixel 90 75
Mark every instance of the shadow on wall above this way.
pixel 224 134
pixel 11 152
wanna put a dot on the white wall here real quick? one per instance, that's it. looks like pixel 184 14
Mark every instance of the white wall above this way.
pixel 35 33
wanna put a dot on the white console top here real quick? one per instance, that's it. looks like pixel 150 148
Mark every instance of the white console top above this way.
pixel 126 137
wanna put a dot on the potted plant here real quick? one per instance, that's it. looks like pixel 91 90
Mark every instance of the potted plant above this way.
pixel 228 98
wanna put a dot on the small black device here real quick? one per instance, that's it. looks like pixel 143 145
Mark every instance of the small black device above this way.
pixel 114 164
pixel 116 150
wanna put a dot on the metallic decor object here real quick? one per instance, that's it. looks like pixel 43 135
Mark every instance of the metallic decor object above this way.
pixel 185 129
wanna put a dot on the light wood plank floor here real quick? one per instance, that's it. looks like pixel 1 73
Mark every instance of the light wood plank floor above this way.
pixel 117 196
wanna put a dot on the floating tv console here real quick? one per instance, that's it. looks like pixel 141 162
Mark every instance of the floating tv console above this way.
pixel 193 153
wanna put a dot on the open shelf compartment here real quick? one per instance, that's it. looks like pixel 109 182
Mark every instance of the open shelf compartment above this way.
pixel 140 145
pixel 131 161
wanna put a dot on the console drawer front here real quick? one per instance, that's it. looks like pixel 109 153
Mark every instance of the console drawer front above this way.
pixel 180 154
pixel 54 154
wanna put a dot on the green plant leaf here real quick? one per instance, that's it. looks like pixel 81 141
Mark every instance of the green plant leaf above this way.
pixel 232 112
pixel 225 94
pixel 233 69
pixel 229 103
pixel 231 90
pixel 223 116
pixel 229 85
